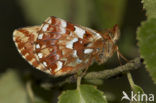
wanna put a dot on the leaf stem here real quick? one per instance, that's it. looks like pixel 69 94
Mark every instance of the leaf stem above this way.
pixel 78 81
pixel 130 79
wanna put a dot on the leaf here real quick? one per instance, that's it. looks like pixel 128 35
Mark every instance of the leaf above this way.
pixel 70 96
pixel 85 94
pixel 146 35
pixel 137 89
pixel 150 6
pixel 11 88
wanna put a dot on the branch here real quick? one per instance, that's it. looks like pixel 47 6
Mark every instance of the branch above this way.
pixel 132 65
pixel 105 74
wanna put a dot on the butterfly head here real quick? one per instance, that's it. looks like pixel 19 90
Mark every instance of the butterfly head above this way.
pixel 108 46
pixel 114 33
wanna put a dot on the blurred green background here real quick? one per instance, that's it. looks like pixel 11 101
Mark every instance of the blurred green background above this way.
pixel 96 14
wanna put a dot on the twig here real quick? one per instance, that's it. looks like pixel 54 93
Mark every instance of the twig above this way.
pixel 132 65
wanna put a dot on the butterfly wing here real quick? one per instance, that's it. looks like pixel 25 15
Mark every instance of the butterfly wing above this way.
pixel 63 48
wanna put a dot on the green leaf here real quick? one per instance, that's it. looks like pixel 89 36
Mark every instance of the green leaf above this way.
pixel 70 96
pixel 84 94
pixel 147 43
pixel 137 89
pixel 150 6
pixel 11 88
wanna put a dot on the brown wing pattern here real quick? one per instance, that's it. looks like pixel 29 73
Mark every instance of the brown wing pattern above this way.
pixel 59 47
pixel 24 39
pixel 63 48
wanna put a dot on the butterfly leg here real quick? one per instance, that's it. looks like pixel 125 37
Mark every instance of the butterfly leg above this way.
pixel 119 54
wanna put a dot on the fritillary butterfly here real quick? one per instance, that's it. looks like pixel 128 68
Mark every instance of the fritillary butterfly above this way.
pixel 59 47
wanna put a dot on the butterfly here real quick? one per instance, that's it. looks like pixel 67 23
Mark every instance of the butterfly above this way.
pixel 59 47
